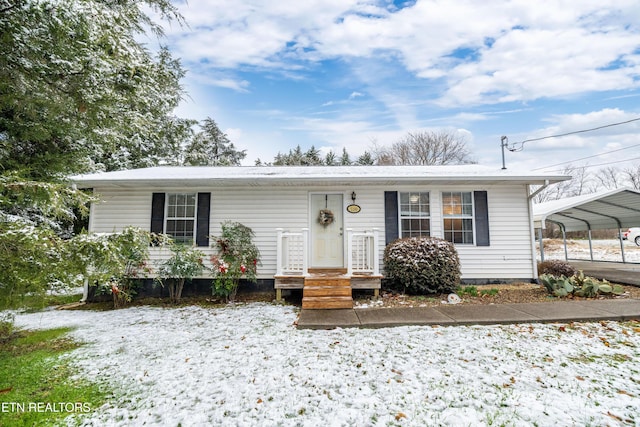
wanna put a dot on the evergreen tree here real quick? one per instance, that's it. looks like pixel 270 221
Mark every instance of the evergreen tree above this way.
pixel 366 159
pixel 345 160
pixel 78 92
pixel 294 158
pixel 312 157
pixel 330 159
pixel 212 147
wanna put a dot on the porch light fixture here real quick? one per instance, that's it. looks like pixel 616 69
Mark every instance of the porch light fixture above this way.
pixel 353 208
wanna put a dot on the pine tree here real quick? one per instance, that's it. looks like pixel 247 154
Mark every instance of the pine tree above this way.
pixel 330 159
pixel 345 160
pixel 78 93
pixel 212 147
pixel 366 159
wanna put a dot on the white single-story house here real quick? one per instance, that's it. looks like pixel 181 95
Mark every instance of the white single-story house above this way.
pixel 336 218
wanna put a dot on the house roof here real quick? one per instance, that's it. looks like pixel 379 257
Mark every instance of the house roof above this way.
pixel 174 176
pixel 619 208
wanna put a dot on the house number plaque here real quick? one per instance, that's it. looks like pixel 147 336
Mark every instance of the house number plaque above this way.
pixel 353 208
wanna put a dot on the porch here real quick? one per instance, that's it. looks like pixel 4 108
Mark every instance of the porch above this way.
pixel 324 288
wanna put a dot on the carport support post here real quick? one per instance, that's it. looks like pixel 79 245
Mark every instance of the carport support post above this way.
pixel 541 244
pixel 621 245
pixel 590 245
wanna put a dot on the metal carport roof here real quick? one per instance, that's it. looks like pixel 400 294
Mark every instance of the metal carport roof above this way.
pixel 619 208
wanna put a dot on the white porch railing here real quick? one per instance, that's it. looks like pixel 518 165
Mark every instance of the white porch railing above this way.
pixel 362 252
pixel 292 252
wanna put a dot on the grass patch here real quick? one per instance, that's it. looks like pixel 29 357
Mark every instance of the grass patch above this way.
pixel 37 302
pixel 489 292
pixel 35 384
pixel 471 291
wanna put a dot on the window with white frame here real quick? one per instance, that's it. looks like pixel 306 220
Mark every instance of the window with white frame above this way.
pixel 457 212
pixel 181 216
pixel 415 215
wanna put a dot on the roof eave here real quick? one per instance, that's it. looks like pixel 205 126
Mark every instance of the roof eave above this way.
pixel 331 180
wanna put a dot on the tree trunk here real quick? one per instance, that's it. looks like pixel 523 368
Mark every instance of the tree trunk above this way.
pixel 179 289
pixel 234 291
pixel 172 290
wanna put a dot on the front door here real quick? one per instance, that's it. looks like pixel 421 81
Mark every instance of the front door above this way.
pixel 327 244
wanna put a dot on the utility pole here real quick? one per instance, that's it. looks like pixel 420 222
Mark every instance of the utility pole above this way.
pixel 504 141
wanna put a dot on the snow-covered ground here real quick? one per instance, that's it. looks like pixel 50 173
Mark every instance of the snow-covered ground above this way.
pixel 603 250
pixel 249 366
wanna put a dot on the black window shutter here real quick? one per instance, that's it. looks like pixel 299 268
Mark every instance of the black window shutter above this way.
pixel 481 218
pixel 202 220
pixel 157 213
pixel 391 231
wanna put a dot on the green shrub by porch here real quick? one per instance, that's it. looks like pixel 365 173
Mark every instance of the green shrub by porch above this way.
pixel 425 265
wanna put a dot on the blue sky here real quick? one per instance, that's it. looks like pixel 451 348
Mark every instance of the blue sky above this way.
pixel 351 73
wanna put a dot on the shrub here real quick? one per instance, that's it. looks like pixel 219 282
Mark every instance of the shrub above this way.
pixel 6 326
pixel 237 257
pixel 422 265
pixel 185 264
pixel 556 268
pixel 112 261
pixel 578 285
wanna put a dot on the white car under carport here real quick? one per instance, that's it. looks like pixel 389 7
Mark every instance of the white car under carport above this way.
pixel 633 235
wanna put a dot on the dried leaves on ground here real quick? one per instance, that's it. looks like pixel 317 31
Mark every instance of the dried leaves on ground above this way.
pixel 484 294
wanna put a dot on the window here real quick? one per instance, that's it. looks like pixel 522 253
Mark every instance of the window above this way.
pixel 414 214
pixel 457 211
pixel 181 217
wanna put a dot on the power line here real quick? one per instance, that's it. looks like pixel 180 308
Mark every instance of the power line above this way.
pixel 504 141
pixel 569 133
pixel 588 157
pixel 599 164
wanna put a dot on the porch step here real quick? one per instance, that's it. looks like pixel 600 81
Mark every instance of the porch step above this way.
pixel 322 291
pixel 328 271
pixel 318 303
pixel 326 291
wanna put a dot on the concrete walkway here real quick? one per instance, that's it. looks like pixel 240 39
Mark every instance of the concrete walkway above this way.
pixel 475 314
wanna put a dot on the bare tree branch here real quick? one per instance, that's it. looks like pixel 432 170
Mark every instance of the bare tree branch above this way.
pixel 425 148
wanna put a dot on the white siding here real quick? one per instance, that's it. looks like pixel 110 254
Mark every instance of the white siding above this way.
pixel 509 256
pixel 118 209
pixel 263 209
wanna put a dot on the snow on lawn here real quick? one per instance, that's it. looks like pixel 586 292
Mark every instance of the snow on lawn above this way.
pixel 249 365
pixel 603 250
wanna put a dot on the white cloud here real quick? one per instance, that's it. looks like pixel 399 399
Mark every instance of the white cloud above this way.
pixel 225 82
pixel 429 63
pixel 519 51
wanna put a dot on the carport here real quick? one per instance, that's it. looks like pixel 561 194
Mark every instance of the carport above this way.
pixel 614 209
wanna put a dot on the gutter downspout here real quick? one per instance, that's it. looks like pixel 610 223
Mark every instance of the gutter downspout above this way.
pixel 534 260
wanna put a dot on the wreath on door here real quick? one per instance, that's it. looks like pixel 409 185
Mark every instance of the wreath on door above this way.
pixel 325 217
